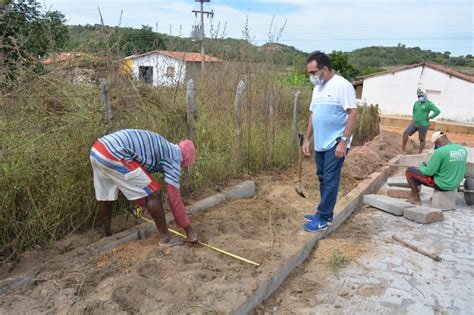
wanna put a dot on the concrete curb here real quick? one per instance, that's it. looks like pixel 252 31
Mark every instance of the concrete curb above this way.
pixel 242 190
pixel 344 208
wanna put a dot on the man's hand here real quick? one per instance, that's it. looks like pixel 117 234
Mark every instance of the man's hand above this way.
pixel 341 149
pixel 427 117
pixel 306 147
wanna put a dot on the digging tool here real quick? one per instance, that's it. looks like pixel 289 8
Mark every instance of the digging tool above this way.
pixel 138 214
pixel 298 188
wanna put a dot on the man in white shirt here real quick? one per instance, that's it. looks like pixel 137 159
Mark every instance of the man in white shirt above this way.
pixel 331 123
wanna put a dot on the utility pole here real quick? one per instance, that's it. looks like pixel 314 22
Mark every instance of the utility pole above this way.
pixel 201 31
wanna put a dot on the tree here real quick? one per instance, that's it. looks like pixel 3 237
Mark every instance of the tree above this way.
pixel 28 33
pixel 340 62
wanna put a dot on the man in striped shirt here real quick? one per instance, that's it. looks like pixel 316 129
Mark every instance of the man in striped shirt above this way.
pixel 124 160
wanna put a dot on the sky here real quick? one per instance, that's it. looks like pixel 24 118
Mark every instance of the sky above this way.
pixel 327 25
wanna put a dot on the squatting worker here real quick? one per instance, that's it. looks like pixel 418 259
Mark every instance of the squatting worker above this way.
pixel 333 117
pixel 420 120
pixel 445 170
pixel 124 160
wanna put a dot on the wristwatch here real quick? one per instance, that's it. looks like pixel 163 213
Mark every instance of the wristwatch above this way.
pixel 345 139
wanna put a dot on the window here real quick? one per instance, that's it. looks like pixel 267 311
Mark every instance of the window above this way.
pixel 145 73
pixel 170 72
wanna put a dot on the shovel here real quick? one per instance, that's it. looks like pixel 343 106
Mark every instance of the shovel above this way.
pixel 298 188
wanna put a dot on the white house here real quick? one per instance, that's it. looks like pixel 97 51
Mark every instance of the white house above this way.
pixel 166 68
pixel 395 90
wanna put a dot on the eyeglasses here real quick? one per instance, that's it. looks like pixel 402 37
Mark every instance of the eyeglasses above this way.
pixel 317 72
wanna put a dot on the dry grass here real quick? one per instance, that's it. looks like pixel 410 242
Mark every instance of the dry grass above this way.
pixel 48 126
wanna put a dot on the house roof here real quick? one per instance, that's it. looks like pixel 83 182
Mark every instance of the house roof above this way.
pixel 61 57
pixel 434 66
pixel 180 55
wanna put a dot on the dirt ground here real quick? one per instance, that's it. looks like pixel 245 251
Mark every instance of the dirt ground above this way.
pixel 351 241
pixel 461 138
pixel 141 277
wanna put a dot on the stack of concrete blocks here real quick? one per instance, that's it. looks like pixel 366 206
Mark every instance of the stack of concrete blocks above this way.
pixel 398 207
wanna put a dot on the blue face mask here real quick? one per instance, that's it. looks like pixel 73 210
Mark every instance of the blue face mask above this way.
pixel 437 146
pixel 421 98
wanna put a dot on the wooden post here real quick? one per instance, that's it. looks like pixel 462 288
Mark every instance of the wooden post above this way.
pixel 272 116
pixel 296 113
pixel 191 110
pixel 109 116
pixel 238 122
pixel 2 65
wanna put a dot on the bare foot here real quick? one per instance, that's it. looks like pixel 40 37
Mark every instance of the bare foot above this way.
pixel 191 235
pixel 169 241
pixel 414 202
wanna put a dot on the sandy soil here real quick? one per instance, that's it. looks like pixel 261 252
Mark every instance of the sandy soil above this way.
pixel 301 290
pixel 141 277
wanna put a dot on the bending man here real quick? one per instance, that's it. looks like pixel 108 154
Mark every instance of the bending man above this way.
pixel 124 160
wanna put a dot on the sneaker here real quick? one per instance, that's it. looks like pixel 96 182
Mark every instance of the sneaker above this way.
pixel 316 216
pixel 315 226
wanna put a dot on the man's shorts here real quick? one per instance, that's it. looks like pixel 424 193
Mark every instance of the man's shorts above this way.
pixel 112 175
pixel 422 130
pixel 419 178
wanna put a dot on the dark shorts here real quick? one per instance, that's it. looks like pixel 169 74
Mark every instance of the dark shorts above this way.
pixel 422 130
pixel 417 176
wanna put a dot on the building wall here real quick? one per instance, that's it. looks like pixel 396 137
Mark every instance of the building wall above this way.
pixel 395 93
pixel 160 65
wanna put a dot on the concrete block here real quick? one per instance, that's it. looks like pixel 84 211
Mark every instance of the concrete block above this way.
pixel 209 202
pixel 399 192
pixel 398 182
pixel 387 204
pixel 243 190
pixel 414 159
pixel 444 200
pixel 423 215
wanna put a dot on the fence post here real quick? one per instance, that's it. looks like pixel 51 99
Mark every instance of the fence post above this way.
pixel 272 113
pixel 191 110
pixel 109 116
pixel 238 120
pixel 296 113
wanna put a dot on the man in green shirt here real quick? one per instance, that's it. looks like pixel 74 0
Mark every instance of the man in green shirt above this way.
pixel 445 170
pixel 421 120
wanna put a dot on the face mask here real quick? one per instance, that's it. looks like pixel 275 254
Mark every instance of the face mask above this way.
pixel 421 98
pixel 437 146
pixel 316 80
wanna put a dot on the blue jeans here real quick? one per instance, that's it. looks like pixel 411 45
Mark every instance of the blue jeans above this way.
pixel 328 170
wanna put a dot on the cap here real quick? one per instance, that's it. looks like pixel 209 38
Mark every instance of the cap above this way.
pixel 188 152
pixel 436 135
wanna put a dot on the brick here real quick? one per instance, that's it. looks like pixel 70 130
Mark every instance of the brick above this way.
pixel 399 192
pixel 444 200
pixel 243 190
pixel 387 204
pixel 414 159
pixel 208 202
pixel 398 182
pixel 423 215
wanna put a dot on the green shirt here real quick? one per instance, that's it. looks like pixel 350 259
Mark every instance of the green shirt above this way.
pixel 447 165
pixel 421 110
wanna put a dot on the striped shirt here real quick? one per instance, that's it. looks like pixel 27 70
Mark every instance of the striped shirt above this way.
pixel 149 149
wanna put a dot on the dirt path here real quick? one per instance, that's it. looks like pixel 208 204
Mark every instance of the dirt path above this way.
pixel 141 277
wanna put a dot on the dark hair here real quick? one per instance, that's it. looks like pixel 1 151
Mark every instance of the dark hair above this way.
pixel 321 59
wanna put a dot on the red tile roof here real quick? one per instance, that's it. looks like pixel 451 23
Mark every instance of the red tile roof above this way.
pixel 62 57
pixel 185 56
pixel 434 66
